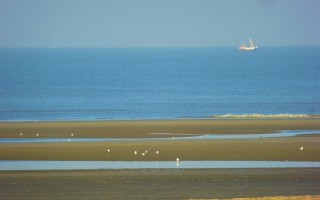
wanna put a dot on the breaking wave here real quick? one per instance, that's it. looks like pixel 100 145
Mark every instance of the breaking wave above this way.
pixel 255 115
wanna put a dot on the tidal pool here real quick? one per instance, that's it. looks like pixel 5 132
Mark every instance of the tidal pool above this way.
pixel 76 165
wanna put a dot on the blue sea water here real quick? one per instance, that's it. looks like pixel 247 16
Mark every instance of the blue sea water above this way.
pixel 160 83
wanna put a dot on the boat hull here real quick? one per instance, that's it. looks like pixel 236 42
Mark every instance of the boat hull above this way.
pixel 248 48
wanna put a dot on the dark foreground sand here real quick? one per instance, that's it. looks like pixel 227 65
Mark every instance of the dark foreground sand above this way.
pixel 159 184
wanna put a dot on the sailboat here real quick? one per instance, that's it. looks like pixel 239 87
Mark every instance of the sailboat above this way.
pixel 249 48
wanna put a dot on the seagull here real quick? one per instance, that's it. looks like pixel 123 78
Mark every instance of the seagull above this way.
pixel 143 154
pixel 37 134
pixel 109 150
pixel 135 152
pixel 177 159
pixel 301 148
pixel 20 134
pixel 71 134
pixel 157 152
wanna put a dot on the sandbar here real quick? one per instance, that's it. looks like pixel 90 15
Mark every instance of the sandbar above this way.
pixel 276 149
pixel 145 128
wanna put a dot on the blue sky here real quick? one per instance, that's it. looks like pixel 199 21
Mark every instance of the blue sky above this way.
pixel 158 23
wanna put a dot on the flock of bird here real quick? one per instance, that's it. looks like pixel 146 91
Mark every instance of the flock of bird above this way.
pixel 109 150
pixel 143 153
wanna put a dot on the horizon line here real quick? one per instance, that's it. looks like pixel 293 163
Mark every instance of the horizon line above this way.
pixel 152 47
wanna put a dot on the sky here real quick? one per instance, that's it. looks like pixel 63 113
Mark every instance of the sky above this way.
pixel 157 23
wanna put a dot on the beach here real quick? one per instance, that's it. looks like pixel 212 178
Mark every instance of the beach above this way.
pixel 161 184
pixel 279 149
pixel 171 183
pixel 276 149
pixel 148 128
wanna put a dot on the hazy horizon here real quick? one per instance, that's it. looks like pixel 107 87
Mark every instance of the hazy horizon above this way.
pixel 157 24
pixel 158 47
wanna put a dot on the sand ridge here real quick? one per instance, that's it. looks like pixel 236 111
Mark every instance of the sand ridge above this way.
pixel 144 128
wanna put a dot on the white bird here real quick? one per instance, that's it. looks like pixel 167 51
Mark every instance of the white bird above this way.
pixel 37 134
pixel 157 152
pixel 135 152
pixel 109 150
pixel 71 134
pixel 146 151
pixel 143 154
pixel 301 148
pixel 177 159
pixel 20 134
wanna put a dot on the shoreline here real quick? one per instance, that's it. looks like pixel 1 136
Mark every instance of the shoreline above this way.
pixel 253 116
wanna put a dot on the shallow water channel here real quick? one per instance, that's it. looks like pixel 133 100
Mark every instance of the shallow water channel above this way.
pixel 284 133
pixel 76 165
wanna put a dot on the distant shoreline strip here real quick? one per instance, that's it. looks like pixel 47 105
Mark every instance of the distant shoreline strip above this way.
pixel 223 116
pixel 262 116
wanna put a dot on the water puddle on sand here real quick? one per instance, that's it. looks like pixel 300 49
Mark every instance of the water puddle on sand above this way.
pixel 76 165
pixel 285 133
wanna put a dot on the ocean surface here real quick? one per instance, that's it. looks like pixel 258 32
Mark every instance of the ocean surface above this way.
pixel 145 83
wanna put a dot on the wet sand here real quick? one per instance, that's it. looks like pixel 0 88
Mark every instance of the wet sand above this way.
pixel 280 149
pixel 159 184
pixel 305 197
pixel 143 128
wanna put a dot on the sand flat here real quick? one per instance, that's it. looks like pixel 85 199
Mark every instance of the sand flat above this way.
pixel 305 197
pixel 287 148
pixel 280 149
pixel 143 128
pixel 159 184
pixel 268 184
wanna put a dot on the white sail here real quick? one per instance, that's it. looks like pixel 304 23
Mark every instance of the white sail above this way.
pixel 251 43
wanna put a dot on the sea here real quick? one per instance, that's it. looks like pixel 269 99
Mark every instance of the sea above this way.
pixel 58 84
